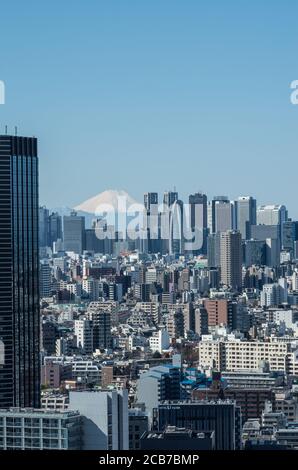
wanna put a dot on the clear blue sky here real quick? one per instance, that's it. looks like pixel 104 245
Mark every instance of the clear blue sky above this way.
pixel 147 94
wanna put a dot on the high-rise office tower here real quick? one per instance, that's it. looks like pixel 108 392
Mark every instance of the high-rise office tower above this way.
pixel 150 199
pixel 92 243
pixel 209 216
pixel 288 235
pixel 272 215
pixel 231 259
pixel 74 233
pixel 213 250
pixel 170 197
pixel 177 240
pixel 246 214
pixel 43 227
pixel 199 219
pixel 50 227
pixel 151 206
pixel 55 228
pixel 222 214
pixel 172 223
pixel 19 272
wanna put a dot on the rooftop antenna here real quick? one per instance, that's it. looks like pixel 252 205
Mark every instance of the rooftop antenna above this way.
pixel 15 131
pixel 5 130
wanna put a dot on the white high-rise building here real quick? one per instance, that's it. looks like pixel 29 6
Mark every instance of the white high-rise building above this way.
pixel 271 215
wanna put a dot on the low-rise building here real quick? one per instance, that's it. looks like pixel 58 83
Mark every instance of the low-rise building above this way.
pixel 28 429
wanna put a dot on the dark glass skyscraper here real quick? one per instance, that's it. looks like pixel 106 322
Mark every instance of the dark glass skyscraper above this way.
pixel 19 272
pixel 44 227
pixel 74 233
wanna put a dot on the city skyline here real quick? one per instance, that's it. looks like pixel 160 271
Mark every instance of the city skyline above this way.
pixel 164 84
pixel 113 198
pixel 154 321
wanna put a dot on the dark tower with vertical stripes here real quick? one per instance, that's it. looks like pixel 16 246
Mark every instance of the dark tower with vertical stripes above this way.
pixel 19 272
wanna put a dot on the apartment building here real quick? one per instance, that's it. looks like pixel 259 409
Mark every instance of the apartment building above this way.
pixel 243 355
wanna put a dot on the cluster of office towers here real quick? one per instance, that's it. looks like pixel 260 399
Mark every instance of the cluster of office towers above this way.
pixel 232 233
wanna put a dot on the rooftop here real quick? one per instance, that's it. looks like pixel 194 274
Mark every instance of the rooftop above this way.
pixel 38 413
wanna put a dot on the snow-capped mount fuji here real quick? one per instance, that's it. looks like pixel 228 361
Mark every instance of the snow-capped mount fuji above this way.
pixel 119 200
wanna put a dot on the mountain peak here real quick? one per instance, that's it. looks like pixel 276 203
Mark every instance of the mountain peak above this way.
pixel 110 197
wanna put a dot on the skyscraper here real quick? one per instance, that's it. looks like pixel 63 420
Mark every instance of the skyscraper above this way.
pixel 222 214
pixel 55 228
pixel 288 235
pixel 198 210
pixel 19 272
pixel 213 250
pixel 231 259
pixel 150 199
pixel 172 223
pixel 74 233
pixel 272 215
pixel 170 197
pixel 246 214
pixel 43 227
pixel 50 227
pixel 151 206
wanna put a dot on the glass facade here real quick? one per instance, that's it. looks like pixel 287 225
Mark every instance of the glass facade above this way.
pixel 19 272
pixel 39 429
pixel 224 418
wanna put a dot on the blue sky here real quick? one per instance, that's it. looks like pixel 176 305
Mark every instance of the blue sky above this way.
pixel 148 95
